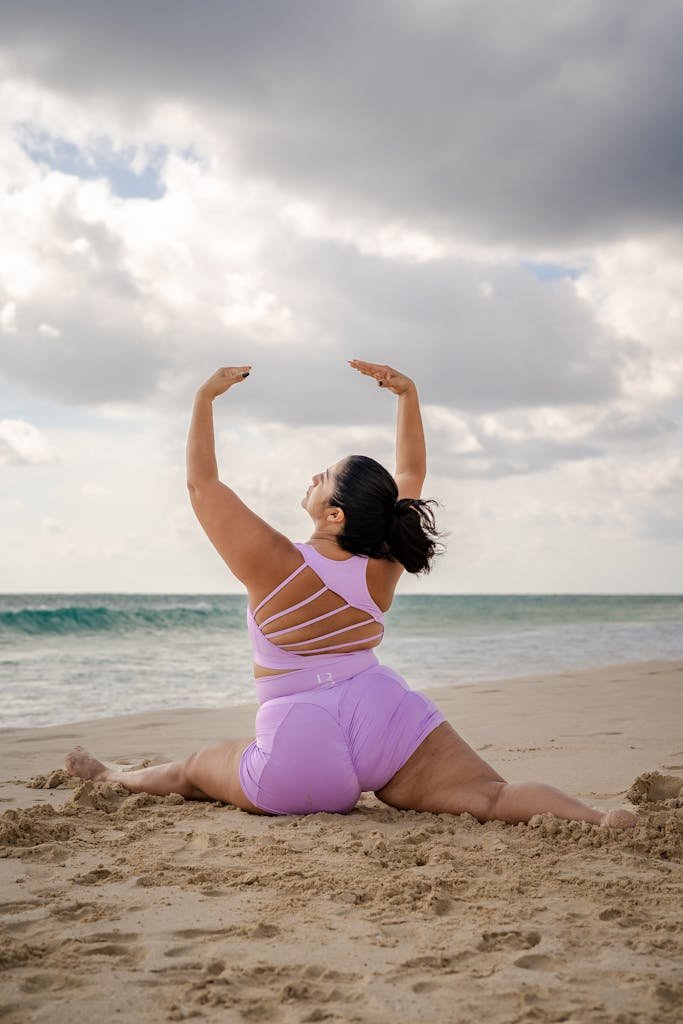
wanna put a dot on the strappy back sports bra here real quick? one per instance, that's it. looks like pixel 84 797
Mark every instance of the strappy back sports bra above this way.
pixel 286 636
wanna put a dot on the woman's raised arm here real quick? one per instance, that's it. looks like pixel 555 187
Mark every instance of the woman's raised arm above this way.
pixel 411 451
pixel 245 542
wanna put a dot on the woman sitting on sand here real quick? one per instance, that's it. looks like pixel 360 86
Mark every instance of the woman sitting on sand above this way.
pixel 333 721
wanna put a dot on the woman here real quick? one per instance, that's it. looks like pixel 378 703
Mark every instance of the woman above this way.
pixel 333 722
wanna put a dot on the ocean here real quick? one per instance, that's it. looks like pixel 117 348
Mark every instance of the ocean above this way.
pixel 70 657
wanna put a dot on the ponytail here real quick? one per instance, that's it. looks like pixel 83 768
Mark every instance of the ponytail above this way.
pixel 412 536
pixel 377 523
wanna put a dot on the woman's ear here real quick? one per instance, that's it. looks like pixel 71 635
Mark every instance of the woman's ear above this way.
pixel 335 516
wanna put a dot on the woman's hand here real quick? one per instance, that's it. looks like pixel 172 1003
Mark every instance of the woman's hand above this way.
pixel 386 376
pixel 223 379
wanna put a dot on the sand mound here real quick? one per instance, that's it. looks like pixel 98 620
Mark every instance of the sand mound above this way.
pixel 113 798
pixel 100 796
pixel 57 779
pixel 32 826
pixel 653 787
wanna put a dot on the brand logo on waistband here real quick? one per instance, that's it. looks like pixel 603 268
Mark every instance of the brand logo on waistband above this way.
pixel 324 677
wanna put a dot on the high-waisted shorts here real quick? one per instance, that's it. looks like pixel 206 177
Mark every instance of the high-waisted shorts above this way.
pixel 320 749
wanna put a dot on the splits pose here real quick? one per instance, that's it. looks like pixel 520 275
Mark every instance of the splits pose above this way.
pixel 333 722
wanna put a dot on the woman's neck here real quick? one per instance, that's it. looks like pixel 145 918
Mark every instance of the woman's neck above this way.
pixel 323 538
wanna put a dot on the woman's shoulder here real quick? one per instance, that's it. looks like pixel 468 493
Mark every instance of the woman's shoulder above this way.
pixel 382 577
pixel 281 557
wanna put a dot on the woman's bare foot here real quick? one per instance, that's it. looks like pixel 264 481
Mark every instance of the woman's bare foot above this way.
pixel 619 818
pixel 81 763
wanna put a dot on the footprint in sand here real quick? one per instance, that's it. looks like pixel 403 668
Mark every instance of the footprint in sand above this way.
pixel 111 945
pixel 108 949
pixel 42 982
pixel 425 986
pixel 20 906
pixel 535 962
pixel 610 913
pixel 261 992
pixel 491 941
pixel 264 931
pixel 427 961
pixel 93 877
pixel 670 994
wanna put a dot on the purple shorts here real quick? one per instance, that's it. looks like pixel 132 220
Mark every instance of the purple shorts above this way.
pixel 320 749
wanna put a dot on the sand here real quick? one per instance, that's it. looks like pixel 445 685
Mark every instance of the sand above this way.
pixel 138 908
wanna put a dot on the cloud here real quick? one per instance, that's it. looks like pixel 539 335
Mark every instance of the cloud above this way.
pixel 92 490
pixel 534 441
pixel 637 288
pixel 485 195
pixel 656 477
pixel 525 343
pixel 77 311
pixel 235 255
pixel 543 124
pixel 115 300
pixel 53 526
pixel 23 444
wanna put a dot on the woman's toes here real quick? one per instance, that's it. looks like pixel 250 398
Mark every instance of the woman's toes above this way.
pixel 619 818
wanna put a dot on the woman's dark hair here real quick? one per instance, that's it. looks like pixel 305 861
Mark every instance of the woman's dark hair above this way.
pixel 376 523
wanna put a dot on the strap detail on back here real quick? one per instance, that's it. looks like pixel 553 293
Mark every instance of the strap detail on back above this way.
pixel 279 587
pixel 309 622
pixel 341 579
pixel 292 608
pixel 326 636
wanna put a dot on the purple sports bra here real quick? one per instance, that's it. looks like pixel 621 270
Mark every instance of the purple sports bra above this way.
pixel 346 580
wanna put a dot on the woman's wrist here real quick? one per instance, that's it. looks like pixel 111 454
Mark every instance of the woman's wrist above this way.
pixel 203 394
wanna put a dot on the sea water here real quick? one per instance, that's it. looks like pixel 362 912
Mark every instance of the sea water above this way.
pixel 69 657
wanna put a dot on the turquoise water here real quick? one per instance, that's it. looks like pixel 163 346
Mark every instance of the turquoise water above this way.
pixel 68 657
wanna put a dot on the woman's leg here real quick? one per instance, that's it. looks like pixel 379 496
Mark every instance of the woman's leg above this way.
pixel 210 774
pixel 444 775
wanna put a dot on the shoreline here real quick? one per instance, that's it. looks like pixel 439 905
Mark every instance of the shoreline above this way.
pixel 156 909
pixel 435 692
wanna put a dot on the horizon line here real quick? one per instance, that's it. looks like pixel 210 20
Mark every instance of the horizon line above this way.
pixel 242 593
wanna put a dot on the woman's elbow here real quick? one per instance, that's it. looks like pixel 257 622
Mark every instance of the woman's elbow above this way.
pixel 197 486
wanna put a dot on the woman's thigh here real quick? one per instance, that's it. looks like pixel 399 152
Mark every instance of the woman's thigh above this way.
pixel 443 775
pixel 216 772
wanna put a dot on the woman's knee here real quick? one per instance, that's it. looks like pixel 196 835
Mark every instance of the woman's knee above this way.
pixel 478 798
pixel 187 775
pixel 213 773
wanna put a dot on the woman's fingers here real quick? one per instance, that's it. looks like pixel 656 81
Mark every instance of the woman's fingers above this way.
pixel 224 378
pixel 235 372
pixel 368 369
pixel 360 364
pixel 381 372
pixel 386 376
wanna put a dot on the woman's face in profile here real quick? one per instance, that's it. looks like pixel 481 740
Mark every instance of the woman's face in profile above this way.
pixel 319 494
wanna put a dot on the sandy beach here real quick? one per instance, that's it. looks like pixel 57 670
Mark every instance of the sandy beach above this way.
pixel 139 908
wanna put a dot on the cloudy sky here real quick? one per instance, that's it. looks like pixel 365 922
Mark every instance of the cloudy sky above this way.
pixel 486 195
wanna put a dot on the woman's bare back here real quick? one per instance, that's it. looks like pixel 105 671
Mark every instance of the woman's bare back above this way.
pixel 316 618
